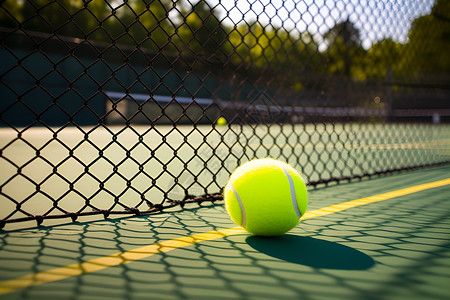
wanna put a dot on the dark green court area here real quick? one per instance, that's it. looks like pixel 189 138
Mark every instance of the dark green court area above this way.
pixel 394 249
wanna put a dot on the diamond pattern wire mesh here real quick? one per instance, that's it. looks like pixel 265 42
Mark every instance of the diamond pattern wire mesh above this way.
pixel 111 107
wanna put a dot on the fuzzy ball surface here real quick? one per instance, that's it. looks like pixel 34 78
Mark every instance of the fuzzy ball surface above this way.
pixel 266 197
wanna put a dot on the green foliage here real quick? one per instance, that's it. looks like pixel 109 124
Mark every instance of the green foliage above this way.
pixel 344 49
pixel 195 30
pixel 383 56
pixel 201 32
pixel 131 22
pixel 427 51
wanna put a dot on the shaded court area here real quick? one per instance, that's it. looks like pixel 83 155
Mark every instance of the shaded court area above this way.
pixel 397 248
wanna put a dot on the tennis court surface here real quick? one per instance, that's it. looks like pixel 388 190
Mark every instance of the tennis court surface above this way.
pixel 396 248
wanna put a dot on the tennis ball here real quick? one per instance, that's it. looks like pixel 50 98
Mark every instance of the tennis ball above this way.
pixel 221 121
pixel 266 197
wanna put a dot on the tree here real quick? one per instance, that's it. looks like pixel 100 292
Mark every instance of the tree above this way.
pixel 344 45
pixel 129 22
pixel 144 23
pixel 201 33
pixel 381 57
pixel 38 15
pixel 426 52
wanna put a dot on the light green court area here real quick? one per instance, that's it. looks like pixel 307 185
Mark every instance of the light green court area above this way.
pixel 398 248
pixel 85 169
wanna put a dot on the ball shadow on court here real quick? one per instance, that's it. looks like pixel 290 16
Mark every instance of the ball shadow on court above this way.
pixel 313 252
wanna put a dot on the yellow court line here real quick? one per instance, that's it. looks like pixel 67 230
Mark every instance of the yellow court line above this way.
pixel 363 201
pixel 120 258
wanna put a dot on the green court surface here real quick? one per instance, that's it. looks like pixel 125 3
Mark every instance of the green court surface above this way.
pixel 398 248
pixel 71 167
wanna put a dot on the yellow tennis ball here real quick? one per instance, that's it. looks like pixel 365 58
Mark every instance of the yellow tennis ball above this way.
pixel 221 121
pixel 266 197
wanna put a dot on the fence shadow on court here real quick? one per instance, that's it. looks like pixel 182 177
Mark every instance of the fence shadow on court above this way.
pixel 362 253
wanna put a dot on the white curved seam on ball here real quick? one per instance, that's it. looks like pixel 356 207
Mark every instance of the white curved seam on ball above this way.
pixel 293 195
pixel 241 205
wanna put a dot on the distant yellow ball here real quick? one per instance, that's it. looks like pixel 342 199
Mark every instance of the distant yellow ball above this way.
pixel 266 197
pixel 221 121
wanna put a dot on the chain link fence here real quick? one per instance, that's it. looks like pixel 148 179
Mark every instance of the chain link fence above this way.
pixel 131 107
